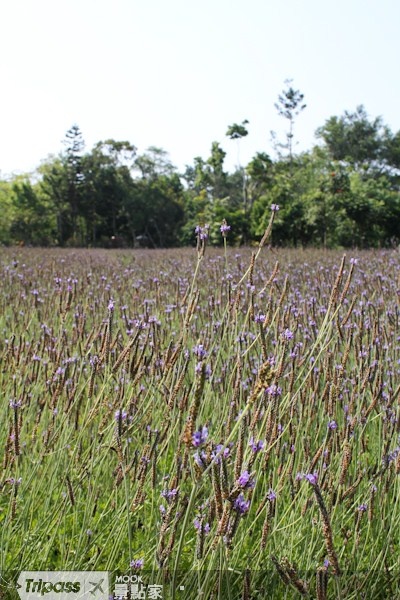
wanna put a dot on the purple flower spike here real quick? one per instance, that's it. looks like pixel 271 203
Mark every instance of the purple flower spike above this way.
pixel 312 478
pixel 199 437
pixel 260 318
pixel 120 414
pixel 199 351
pixel 287 334
pixel 241 505
pixel 202 232
pixel 256 446
pixel 244 480
pixel 225 228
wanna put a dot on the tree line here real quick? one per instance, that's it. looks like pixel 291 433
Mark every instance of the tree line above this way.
pixel 343 192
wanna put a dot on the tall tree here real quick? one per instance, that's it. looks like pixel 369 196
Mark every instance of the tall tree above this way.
pixel 75 145
pixel 237 132
pixel 290 105
pixel 359 141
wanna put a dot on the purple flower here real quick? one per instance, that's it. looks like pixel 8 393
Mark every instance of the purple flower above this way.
pixel 111 305
pixel 241 505
pixel 13 404
pixel 287 334
pixel 225 228
pixel 216 456
pixel 271 495
pixel 256 446
pixel 332 425
pixel 273 390
pixel 198 523
pixel 120 414
pixel 274 207
pixel 202 232
pixel 312 478
pixel 14 481
pixel 362 508
pixel 199 351
pixel 199 437
pixel 136 563
pixel 200 459
pixel 260 318
pixel 168 494
pixel 244 480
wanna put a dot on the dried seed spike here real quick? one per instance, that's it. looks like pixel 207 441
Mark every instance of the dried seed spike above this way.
pixel 224 479
pixel 177 386
pixel 223 523
pixel 200 539
pixel 322 583
pixel 327 530
pixel 70 491
pixel 347 283
pixel 281 571
pixel 246 585
pixel 267 233
pixel 16 432
pixel 291 571
pixel 240 451
pixel 92 376
pixel 251 268
pixel 316 458
pixel 335 289
pixel 125 352
pixel 346 460
pixel 272 277
pixel 217 488
pixel 267 521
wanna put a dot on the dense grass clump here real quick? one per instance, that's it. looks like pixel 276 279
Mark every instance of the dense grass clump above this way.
pixel 223 420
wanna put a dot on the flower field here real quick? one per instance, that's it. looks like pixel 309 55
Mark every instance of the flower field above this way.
pixel 221 420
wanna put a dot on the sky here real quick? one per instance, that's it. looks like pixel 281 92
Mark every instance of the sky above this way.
pixel 176 73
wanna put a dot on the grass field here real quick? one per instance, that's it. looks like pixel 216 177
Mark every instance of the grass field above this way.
pixel 227 421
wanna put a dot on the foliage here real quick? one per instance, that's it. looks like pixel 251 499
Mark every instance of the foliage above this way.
pixel 343 192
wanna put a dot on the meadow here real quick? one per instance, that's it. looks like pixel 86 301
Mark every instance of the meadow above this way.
pixel 226 420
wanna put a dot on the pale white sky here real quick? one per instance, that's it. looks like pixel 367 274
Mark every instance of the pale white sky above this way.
pixel 177 73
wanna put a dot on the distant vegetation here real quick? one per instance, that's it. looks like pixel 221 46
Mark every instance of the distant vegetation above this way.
pixel 343 192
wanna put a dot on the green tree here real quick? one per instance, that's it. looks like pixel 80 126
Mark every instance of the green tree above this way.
pixel 6 213
pixel 54 186
pixel 290 105
pixel 363 143
pixel 74 144
pixel 107 189
pixel 153 163
pixel 34 219
pixel 237 132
